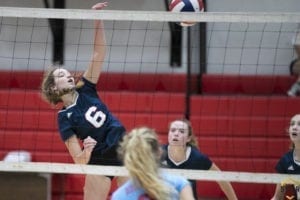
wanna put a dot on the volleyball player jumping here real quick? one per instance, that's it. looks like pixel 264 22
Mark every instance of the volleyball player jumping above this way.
pixel 85 117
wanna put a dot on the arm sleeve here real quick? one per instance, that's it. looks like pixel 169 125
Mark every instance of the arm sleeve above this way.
pixel 177 182
pixel 88 88
pixel 201 161
pixel 280 167
pixel 183 183
pixel 64 127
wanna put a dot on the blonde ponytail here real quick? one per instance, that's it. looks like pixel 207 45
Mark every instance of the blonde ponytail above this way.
pixel 140 151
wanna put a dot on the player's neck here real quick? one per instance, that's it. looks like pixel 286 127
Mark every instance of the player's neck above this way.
pixel 297 147
pixel 296 154
pixel 177 153
pixel 70 98
pixel 297 150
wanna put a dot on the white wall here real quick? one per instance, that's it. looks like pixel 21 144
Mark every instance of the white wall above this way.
pixel 85 4
pixel 212 5
pixel 232 48
pixel 253 5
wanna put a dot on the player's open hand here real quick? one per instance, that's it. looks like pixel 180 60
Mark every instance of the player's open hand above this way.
pixel 99 6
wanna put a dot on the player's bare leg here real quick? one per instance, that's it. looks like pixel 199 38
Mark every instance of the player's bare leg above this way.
pixel 96 187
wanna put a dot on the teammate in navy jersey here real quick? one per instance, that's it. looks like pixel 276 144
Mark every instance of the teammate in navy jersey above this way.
pixel 289 163
pixel 182 152
pixel 141 152
pixel 85 117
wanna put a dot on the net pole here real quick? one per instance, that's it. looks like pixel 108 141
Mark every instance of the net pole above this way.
pixel 188 75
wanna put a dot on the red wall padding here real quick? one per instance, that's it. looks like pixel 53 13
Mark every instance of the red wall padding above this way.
pixel 238 132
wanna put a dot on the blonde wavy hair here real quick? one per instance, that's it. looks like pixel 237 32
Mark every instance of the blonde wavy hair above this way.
pixel 140 152
pixel 48 83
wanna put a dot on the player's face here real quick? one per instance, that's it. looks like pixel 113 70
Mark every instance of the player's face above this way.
pixel 294 129
pixel 63 79
pixel 178 133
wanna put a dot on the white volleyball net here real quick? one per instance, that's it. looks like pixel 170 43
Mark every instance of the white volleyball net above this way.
pixel 228 74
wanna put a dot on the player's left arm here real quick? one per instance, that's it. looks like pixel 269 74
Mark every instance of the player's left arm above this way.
pixel 224 185
pixel 79 155
pixel 94 69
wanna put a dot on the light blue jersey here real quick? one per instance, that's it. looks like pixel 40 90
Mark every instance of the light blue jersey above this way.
pixel 130 191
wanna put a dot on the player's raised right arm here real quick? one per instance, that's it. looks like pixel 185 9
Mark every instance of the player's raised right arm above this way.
pixel 99 50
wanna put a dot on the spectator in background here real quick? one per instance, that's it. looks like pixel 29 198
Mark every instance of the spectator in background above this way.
pixel 85 117
pixel 182 152
pixel 295 66
pixel 289 163
pixel 141 152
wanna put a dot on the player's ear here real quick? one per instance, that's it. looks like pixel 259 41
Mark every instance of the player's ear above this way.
pixel 54 89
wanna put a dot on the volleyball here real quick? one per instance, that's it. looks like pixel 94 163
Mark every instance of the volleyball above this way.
pixel 186 6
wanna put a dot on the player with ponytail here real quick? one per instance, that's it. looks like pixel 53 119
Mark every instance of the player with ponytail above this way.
pixel 141 152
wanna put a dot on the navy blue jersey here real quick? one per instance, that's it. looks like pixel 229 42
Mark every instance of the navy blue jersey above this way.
pixel 287 165
pixel 89 116
pixel 196 161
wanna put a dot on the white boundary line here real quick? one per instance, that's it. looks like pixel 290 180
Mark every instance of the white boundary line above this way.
pixel 64 168
pixel 127 15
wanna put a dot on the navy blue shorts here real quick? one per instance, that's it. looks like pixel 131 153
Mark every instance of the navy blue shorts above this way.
pixel 109 156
